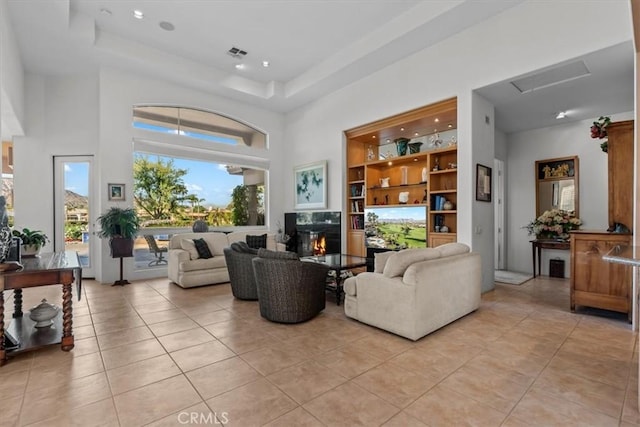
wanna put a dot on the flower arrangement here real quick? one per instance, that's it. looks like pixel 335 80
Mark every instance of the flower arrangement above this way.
pixel 599 130
pixel 554 224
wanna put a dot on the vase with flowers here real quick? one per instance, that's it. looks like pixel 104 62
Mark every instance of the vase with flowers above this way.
pixel 599 131
pixel 554 224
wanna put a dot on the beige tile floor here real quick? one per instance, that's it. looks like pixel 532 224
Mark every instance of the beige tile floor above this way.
pixel 152 353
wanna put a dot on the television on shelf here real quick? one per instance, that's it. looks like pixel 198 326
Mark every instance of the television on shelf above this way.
pixel 396 227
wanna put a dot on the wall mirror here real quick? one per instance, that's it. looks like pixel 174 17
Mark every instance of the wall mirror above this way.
pixel 557 185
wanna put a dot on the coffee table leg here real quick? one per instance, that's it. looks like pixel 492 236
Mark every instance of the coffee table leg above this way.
pixel 67 316
pixel 3 353
pixel 339 290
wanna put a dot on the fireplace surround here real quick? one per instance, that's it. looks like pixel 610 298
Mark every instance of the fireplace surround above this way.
pixel 307 229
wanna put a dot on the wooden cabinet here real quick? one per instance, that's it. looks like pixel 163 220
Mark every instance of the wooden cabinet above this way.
pixel 598 283
pixel 378 177
pixel 621 162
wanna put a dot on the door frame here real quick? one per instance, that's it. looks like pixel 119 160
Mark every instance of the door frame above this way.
pixel 58 207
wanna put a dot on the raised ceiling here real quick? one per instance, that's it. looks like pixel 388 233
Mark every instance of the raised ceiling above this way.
pixel 313 47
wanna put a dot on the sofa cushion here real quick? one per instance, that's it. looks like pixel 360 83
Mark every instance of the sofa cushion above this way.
pixel 398 263
pixel 380 259
pixel 189 246
pixel 257 242
pixel 202 248
pixel 203 264
pixel 266 253
pixel 449 249
pixel 216 241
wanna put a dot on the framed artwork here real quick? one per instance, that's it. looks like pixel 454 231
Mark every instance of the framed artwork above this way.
pixel 116 192
pixel 310 183
pixel 483 183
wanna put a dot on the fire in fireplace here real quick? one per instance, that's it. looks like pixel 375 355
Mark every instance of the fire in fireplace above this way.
pixel 320 245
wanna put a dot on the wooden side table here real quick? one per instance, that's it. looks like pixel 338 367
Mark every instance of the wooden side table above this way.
pixel 537 245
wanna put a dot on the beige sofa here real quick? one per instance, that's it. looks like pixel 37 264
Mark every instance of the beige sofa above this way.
pixel 416 291
pixel 187 270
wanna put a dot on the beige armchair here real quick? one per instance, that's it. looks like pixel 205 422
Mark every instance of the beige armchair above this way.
pixel 416 291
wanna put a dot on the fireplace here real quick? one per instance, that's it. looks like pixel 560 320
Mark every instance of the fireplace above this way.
pixel 312 243
pixel 313 233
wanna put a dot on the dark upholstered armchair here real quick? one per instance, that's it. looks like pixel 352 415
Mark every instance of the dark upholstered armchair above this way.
pixel 238 258
pixel 289 290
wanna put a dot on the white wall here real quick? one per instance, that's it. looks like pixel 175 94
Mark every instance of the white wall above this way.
pixel 61 119
pixel 92 115
pixel 483 218
pixel 524 148
pixel 11 78
pixel 119 92
pixel 504 46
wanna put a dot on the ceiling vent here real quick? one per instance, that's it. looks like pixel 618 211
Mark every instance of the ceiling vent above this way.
pixel 551 77
pixel 236 53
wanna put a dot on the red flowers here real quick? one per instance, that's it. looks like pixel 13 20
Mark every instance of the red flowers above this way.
pixel 599 130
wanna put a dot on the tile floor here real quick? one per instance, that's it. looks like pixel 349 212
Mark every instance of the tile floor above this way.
pixel 152 353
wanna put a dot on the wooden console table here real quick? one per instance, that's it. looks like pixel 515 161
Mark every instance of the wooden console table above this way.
pixel 62 268
pixel 537 245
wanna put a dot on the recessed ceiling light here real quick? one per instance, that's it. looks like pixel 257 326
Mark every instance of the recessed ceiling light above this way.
pixel 416 134
pixel 436 120
pixel 167 26
pixel 138 14
pixel 265 64
pixel 240 66
pixel 374 137
pixel 561 115
pixel 401 129
pixel 449 125
pixel 388 140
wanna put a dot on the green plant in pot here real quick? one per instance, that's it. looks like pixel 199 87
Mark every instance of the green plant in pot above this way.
pixel 32 241
pixel 120 226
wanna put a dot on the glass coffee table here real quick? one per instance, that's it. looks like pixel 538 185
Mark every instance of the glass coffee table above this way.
pixel 338 263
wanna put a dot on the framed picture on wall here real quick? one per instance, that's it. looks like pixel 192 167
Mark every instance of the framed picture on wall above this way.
pixel 483 183
pixel 310 183
pixel 116 192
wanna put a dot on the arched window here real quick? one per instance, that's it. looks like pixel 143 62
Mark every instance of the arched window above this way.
pixel 193 165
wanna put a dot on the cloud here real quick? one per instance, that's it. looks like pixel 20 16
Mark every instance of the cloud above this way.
pixel 222 167
pixel 194 188
pixel 67 168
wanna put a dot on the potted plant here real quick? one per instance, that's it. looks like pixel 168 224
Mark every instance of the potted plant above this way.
pixel 32 241
pixel 120 226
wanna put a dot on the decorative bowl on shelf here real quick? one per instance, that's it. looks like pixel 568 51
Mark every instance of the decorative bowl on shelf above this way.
pixel 43 314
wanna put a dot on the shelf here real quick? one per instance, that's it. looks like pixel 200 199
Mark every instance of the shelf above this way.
pixel 356 213
pixel 399 160
pixel 443 171
pixel 420 184
pixel 450 211
pixel 356 198
pixel 437 233
pixel 443 191
pixel 359 181
pixel 390 205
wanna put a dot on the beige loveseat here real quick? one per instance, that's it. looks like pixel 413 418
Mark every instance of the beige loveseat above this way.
pixel 187 270
pixel 413 292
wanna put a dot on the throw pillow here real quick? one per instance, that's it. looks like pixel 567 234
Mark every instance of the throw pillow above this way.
pixel 398 263
pixel 189 246
pixel 257 242
pixel 455 248
pixel 202 248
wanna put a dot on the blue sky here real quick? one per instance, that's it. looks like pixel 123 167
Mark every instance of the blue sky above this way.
pixel 209 181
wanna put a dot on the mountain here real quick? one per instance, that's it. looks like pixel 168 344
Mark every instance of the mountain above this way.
pixel 75 201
